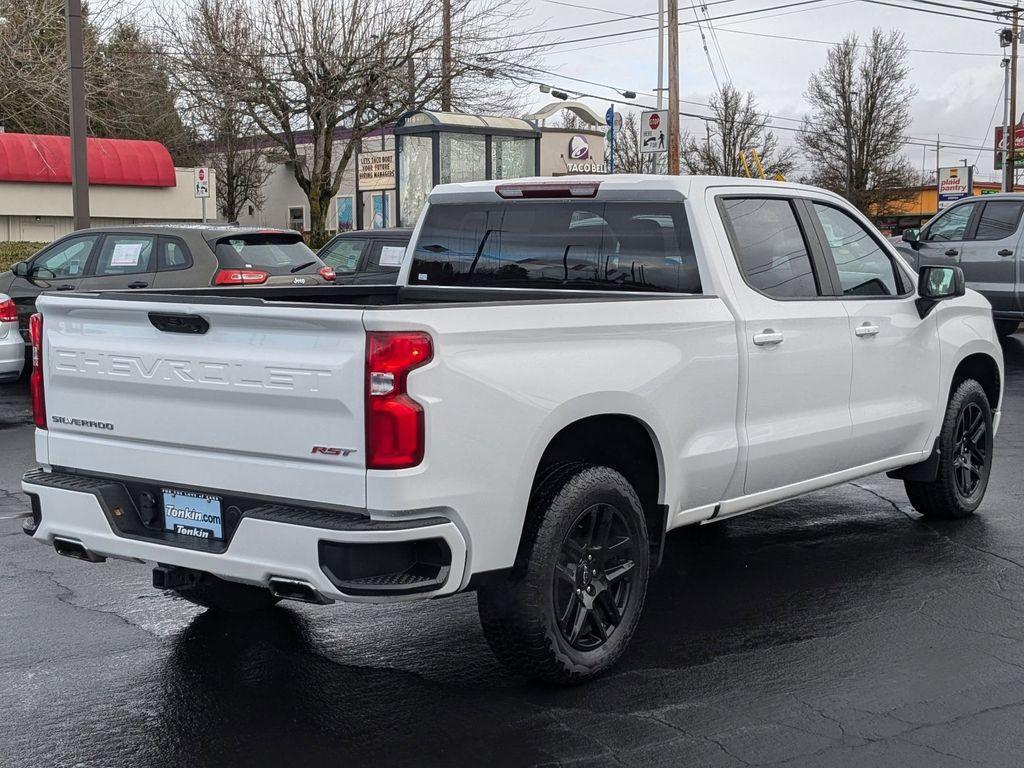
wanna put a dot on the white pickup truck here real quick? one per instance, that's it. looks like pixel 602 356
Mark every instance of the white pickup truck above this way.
pixel 566 370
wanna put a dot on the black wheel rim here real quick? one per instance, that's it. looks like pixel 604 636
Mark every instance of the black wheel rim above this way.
pixel 970 450
pixel 594 576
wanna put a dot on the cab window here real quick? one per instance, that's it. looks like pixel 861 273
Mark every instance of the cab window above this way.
pixel 343 254
pixel 951 225
pixel 998 219
pixel 66 259
pixel 864 268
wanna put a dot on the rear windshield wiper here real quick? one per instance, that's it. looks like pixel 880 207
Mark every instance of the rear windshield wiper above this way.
pixel 302 266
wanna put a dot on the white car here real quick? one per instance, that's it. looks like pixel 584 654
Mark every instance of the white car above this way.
pixel 566 370
pixel 12 347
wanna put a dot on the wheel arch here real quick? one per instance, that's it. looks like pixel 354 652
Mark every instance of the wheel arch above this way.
pixel 984 369
pixel 621 441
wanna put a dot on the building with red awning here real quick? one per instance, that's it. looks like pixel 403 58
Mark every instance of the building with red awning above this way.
pixel 130 182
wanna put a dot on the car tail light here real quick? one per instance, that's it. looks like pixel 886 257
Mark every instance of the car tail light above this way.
pixel 327 273
pixel 8 312
pixel 35 333
pixel 395 433
pixel 240 277
pixel 546 189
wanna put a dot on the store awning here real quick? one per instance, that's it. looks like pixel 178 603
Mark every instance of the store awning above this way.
pixel 114 162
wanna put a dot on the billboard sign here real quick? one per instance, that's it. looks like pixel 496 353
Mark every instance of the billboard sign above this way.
pixel 653 127
pixel 954 184
pixel 1018 146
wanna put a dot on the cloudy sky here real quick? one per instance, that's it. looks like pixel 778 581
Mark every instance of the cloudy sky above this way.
pixel 955 62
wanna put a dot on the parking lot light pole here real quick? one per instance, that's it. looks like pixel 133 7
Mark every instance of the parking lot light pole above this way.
pixel 79 160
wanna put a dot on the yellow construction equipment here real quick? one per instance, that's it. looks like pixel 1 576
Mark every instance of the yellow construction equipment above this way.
pixel 757 165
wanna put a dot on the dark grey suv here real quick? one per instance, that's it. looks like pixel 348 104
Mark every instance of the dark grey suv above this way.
pixel 983 236
pixel 163 256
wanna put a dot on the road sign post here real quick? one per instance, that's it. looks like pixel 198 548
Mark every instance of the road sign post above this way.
pixel 201 180
pixel 609 117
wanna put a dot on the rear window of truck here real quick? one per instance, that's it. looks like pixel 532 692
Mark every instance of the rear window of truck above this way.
pixel 557 244
pixel 275 253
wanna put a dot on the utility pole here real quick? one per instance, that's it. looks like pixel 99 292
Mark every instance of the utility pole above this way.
pixel 1012 137
pixel 661 69
pixel 673 87
pixel 1007 185
pixel 76 73
pixel 446 55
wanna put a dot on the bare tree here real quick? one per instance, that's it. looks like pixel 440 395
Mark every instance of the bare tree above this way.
pixel 238 154
pixel 316 76
pixel 736 127
pixel 861 110
pixel 128 92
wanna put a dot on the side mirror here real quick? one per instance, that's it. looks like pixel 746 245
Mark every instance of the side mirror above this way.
pixel 21 269
pixel 911 235
pixel 935 284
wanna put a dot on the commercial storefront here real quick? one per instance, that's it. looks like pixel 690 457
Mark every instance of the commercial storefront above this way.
pixel 130 182
pixel 922 204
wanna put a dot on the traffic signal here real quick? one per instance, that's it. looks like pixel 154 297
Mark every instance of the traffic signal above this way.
pixel 1005 37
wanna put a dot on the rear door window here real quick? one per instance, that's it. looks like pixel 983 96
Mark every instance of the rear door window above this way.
pixel 998 219
pixel 770 246
pixel 385 256
pixel 275 253
pixel 616 246
pixel 126 255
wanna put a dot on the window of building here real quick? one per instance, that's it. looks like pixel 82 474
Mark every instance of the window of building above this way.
pixel 297 219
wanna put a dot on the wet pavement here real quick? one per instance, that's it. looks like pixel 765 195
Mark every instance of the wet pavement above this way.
pixel 835 630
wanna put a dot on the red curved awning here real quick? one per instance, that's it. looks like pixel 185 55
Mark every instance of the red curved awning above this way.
pixel 115 162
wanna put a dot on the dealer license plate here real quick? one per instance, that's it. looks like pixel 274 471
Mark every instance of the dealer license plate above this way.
pixel 193 514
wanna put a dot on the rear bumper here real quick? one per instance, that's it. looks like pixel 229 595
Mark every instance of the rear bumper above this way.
pixel 293 546
pixel 12 357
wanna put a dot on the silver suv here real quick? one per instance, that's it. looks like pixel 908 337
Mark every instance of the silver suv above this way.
pixel 983 236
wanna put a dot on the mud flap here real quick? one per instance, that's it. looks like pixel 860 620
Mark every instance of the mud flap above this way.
pixel 923 472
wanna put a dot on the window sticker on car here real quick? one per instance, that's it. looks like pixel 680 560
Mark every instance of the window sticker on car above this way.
pixel 392 255
pixel 126 255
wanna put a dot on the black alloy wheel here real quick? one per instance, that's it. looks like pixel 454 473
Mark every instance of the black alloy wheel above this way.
pixel 593 580
pixel 970 449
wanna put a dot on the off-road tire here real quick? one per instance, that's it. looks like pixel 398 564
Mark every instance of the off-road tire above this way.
pixel 944 498
pixel 1006 328
pixel 227 596
pixel 518 611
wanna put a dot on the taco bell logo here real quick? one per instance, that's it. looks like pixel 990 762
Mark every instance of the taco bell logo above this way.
pixel 579 148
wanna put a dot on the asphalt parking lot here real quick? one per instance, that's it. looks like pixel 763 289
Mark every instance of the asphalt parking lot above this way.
pixel 835 630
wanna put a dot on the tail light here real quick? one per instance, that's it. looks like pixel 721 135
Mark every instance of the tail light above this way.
pixel 35 333
pixel 8 312
pixel 240 277
pixel 395 433
pixel 327 273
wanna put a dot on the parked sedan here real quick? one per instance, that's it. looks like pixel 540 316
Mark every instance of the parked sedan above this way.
pixel 163 256
pixel 12 351
pixel 366 256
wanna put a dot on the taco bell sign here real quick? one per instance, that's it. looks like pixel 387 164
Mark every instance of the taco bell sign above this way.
pixel 954 184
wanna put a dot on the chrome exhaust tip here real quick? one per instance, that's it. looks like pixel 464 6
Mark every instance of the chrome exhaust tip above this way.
pixel 75 549
pixel 296 589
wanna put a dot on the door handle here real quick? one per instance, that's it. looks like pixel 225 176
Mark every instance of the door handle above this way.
pixel 866 329
pixel 952 251
pixel 768 338
pixel 1006 252
pixel 138 284
pixel 64 288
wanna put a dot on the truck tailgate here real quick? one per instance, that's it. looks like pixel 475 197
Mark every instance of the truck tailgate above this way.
pixel 267 402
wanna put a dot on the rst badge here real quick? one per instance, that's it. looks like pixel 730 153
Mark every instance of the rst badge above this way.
pixel 326 450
